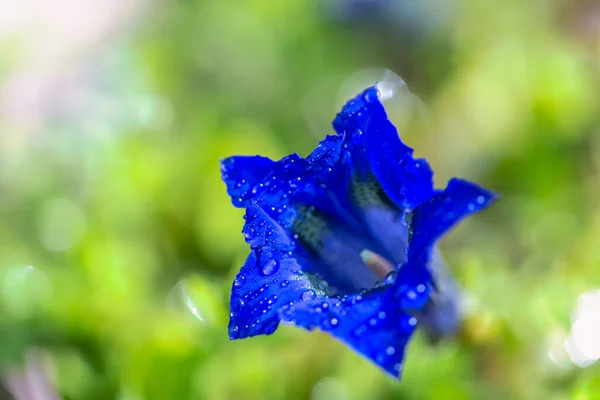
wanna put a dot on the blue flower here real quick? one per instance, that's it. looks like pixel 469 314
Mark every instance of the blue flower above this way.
pixel 342 240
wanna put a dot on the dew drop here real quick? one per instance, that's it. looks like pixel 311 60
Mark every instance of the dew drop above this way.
pixel 390 278
pixel 239 281
pixel 270 267
pixel 308 295
pixel 480 199
pixel 263 288
pixel 285 283
pixel 237 302
pixel 390 351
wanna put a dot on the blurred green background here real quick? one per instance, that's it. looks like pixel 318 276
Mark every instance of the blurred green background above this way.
pixel 118 243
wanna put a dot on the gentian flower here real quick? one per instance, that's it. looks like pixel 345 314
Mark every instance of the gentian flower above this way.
pixel 343 240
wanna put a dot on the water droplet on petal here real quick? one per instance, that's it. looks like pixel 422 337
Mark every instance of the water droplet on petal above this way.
pixel 239 281
pixel 285 284
pixel 270 267
pixel 263 288
pixel 390 351
pixel 390 278
pixel 237 303
pixel 308 295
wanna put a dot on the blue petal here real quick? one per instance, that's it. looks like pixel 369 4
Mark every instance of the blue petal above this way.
pixel 355 113
pixel 441 317
pixel 241 174
pixel 435 217
pixel 279 186
pixel 430 221
pixel 327 153
pixel 269 279
pixel 406 181
pixel 373 324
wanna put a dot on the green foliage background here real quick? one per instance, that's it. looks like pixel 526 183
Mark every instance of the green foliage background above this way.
pixel 112 212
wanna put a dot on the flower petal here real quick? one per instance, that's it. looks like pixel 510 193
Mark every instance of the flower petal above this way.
pixel 406 181
pixel 437 216
pixel 442 315
pixel 241 174
pixel 373 324
pixel 270 278
pixel 354 115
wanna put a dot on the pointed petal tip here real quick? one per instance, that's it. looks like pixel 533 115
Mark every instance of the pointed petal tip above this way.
pixel 483 197
pixel 394 371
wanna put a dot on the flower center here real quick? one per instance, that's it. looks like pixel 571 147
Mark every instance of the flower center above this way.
pixel 349 256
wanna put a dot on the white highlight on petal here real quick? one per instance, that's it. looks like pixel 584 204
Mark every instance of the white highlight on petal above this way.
pixel 582 343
